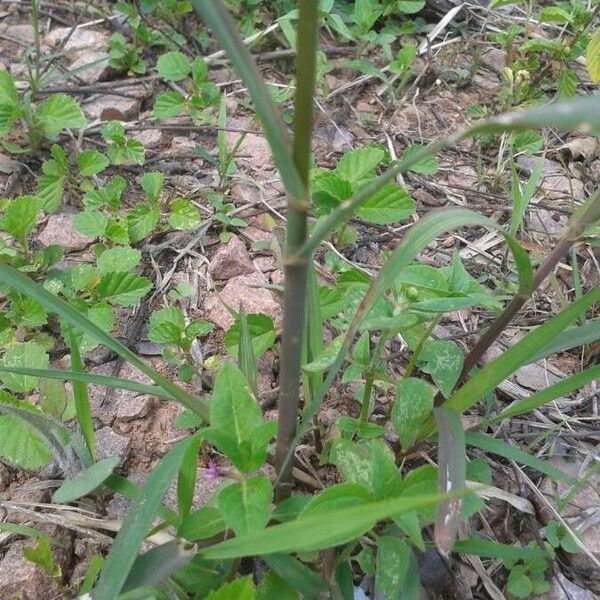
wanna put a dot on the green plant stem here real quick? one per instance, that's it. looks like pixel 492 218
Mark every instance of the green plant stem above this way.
pixel 588 213
pixel 365 408
pixel 296 269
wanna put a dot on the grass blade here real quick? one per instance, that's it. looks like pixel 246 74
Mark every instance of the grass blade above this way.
pixel 489 549
pixel 85 482
pixel 52 303
pixel 215 15
pixel 80 397
pixel 246 358
pixel 496 446
pixel 318 531
pixel 139 519
pixel 91 378
pixel 573 337
pixel 565 386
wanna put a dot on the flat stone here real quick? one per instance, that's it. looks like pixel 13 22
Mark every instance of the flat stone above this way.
pixel 230 260
pixel 547 221
pixel 7 164
pixel 254 147
pixel 553 179
pixel 82 38
pixel 23 32
pixel 59 230
pixel 90 66
pixel 129 409
pixel 127 108
pixel 494 59
pixel 535 377
pixel 109 443
pixel 151 138
pixel 239 290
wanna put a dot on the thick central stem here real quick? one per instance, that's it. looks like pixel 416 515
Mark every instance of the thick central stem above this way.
pixel 296 270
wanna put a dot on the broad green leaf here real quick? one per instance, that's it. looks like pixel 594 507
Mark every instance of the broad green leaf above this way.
pixel 166 326
pixel 296 574
pixel 22 445
pixel 201 524
pixel 141 221
pixel 414 401
pixel 353 461
pixel 183 215
pixel 28 354
pixel 152 184
pixel 389 204
pixel 168 105
pixel 333 185
pixel 41 555
pixel 50 190
pixel 8 90
pixel 20 216
pixel 358 164
pixel 116 231
pixel 272 586
pixel 85 482
pixel 337 496
pixel 496 446
pixel 554 14
pixel 240 589
pixel 566 83
pixel 59 112
pixel 124 289
pixel 326 358
pixel 102 315
pixel 518 583
pixel 173 66
pixel 236 424
pixel 410 7
pixel 90 222
pixel 318 531
pixel 592 56
pixel 130 151
pixel 245 505
pixel 8 115
pixel 262 335
pixel 118 260
pixel 137 523
pixel 452 471
pixel 91 162
pixel 52 303
pixel 443 360
pixel 392 566
pixel 426 166
pixel 199 71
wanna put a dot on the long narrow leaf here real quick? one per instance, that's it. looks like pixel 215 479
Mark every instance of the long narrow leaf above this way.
pixel 139 519
pixel 26 286
pixel 489 549
pixel 565 386
pixel 91 378
pixel 496 446
pixel 215 15
pixel 322 530
pixel 81 398
pixel 298 575
pixel 573 337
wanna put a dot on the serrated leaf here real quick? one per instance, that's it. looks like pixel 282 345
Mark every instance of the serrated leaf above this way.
pixel 173 66
pixel 410 7
pixel 592 57
pixel 50 190
pixel 443 360
pixel 168 105
pixel 245 505
pixel 8 115
pixel 184 215
pixel 116 231
pixel 91 162
pixel 118 260
pixel 357 164
pixel 85 482
pixel 21 445
pixel 20 216
pixel 141 221
pixel 124 153
pixel 100 314
pixel 152 184
pixel 166 326
pixel 58 112
pixel 90 222
pixel 566 83
pixel 8 91
pixel 123 289
pixel 262 335
pixel 389 204
pixel 414 402
pixel 29 355
pixel 554 14
pixel 427 166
